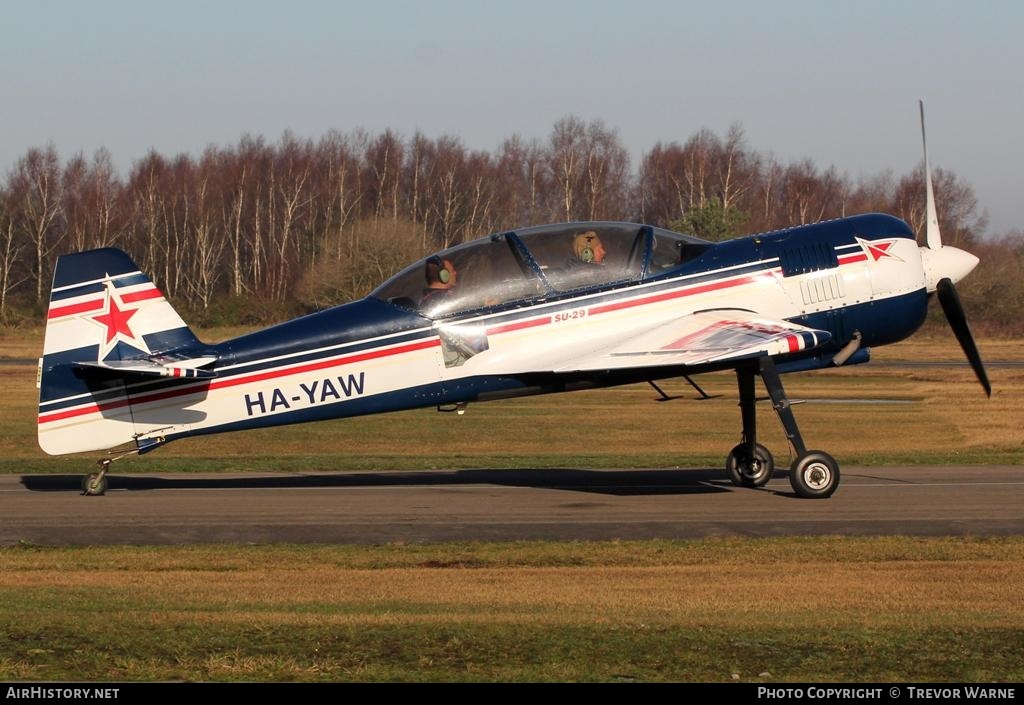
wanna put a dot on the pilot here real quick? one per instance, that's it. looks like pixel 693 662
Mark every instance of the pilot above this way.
pixel 588 249
pixel 441 279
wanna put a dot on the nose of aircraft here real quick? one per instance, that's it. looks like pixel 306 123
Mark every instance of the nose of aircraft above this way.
pixel 946 263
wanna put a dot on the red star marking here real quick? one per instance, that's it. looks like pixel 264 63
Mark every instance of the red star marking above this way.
pixel 879 250
pixel 116 320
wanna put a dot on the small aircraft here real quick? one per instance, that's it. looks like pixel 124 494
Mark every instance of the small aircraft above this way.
pixel 537 310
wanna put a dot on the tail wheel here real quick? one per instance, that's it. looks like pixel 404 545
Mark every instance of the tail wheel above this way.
pixel 814 475
pixel 746 471
pixel 94 484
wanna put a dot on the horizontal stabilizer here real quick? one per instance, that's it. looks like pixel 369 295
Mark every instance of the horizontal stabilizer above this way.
pixel 154 368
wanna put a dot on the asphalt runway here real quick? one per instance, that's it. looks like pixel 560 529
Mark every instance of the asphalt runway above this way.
pixel 483 505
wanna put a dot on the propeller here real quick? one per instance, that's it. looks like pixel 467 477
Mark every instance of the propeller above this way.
pixel 932 236
pixel 942 266
pixel 954 310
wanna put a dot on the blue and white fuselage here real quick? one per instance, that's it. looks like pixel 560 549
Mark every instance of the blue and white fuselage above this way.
pixel 797 294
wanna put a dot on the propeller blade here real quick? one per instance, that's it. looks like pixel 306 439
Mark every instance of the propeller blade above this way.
pixel 954 311
pixel 932 236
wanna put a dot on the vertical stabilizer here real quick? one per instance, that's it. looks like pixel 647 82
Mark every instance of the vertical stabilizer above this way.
pixel 108 327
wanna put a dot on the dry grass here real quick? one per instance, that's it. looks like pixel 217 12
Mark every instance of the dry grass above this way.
pixel 666 610
pixel 983 593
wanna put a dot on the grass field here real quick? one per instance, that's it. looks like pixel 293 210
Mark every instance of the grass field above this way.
pixel 768 610
pixel 864 609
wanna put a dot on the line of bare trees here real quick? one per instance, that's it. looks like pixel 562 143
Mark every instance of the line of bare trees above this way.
pixel 258 230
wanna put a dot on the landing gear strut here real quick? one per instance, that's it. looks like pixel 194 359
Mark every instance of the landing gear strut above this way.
pixel 95 484
pixel 814 474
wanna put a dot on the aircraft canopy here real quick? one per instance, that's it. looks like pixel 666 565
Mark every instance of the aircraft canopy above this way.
pixel 543 262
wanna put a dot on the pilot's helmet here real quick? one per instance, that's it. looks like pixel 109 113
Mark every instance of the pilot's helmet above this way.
pixel 585 246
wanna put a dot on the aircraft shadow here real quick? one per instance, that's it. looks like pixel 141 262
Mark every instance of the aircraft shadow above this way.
pixel 610 482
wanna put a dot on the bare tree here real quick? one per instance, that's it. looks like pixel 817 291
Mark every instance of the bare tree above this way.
pixel 205 241
pixel 417 177
pixel 521 180
pixel 91 209
pixel 566 161
pixel 480 197
pixel 448 202
pixel 146 192
pixel 736 168
pixel 766 190
pixel 383 161
pixel 35 192
pixel 663 197
pixel 234 227
pixel 606 172
pixel 291 193
pixel 11 272
pixel 678 178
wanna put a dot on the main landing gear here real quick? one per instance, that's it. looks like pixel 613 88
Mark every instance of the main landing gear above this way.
pixel 814 474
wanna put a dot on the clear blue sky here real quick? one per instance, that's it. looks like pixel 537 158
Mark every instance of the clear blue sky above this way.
pixel 834 81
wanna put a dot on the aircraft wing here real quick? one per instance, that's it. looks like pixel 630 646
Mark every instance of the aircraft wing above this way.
pixel 702 338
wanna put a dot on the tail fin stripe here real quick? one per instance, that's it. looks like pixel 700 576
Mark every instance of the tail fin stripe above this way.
pixel 118 280
pixel 143 295
pixel 122 281
pixel 75 309
pixel 96 304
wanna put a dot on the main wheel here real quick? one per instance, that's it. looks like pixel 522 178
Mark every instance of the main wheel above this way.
pixel 814 475
pixel 745 471
pixel 94 484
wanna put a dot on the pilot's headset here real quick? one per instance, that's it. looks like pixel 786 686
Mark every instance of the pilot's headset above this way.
pixel 583 245
pixel 444 275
